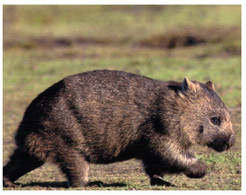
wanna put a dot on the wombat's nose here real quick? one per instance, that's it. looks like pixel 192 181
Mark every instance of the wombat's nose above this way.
pixel 232 140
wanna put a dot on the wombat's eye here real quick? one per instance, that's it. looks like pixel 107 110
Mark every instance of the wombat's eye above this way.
pixel 215 120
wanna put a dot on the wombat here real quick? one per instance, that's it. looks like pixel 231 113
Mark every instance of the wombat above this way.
pixel 106 116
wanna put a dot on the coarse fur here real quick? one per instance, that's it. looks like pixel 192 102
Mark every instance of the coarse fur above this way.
pixel 107 116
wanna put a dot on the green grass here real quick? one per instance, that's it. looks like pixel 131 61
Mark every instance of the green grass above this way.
pixel 112 37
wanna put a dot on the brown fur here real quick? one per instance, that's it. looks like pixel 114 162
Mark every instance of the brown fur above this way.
pixel 108 116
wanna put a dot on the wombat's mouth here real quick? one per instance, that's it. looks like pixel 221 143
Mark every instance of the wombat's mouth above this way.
pixel 219 147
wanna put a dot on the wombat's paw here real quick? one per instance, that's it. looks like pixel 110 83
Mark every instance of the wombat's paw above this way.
pixel 8 183
pixel 196 170
pixel 158 181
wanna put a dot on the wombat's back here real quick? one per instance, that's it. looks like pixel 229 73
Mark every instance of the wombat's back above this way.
pixel 98 113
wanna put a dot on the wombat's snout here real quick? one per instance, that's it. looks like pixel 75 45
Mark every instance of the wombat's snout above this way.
pixel 222 143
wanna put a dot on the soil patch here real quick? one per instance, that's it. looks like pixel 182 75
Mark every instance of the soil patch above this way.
pixel 192 36
pixel 183 37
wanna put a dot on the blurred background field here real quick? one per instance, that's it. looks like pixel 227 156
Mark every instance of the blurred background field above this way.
pixel 43 44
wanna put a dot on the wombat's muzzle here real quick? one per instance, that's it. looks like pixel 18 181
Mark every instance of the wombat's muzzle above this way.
pixel 222 143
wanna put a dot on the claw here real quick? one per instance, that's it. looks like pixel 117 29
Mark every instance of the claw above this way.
pixel 158 181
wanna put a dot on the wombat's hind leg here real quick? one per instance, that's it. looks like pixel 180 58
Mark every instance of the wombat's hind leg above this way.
pixel 75 167
pixel 20 163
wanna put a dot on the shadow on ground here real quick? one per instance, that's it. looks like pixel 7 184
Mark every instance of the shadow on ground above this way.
pixel 66 185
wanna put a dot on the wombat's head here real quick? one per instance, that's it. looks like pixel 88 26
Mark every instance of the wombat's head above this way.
pixel 205 120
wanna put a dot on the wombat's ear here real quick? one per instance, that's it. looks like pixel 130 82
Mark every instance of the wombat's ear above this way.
pixel 210 85
pixel 187 85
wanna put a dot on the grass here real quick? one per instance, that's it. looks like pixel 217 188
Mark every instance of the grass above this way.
pixel 43 44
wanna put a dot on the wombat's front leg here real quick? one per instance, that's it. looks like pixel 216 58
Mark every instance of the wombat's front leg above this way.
pixel 156 172
pixel 191 167
pixel 173 160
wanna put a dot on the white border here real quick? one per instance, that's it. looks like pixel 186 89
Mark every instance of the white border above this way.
pixel 1 97
pixel 131 2
pixel 125 2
